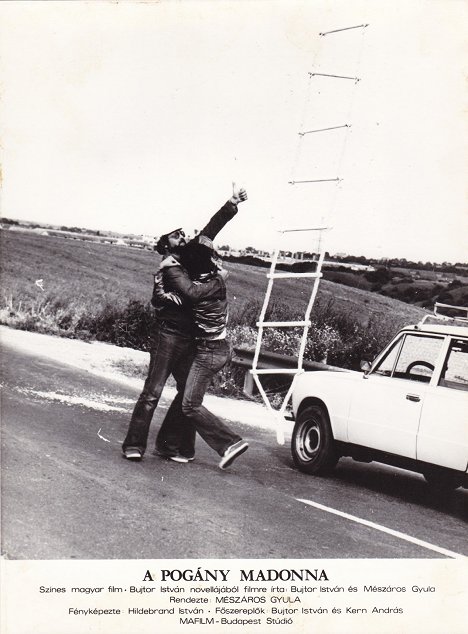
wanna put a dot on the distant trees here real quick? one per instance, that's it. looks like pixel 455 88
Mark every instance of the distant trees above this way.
pixel 379 277
pixel 9 221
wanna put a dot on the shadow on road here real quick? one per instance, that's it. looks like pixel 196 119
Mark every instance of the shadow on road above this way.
pixel 404 486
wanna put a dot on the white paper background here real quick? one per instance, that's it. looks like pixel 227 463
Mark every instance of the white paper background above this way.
pixel 124 115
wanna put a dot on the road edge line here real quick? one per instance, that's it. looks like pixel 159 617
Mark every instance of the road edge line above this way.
pixel 384 529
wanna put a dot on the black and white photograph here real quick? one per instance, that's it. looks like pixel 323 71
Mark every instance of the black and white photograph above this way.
pixel 234 316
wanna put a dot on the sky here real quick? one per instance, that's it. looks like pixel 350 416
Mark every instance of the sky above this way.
pixel 138 117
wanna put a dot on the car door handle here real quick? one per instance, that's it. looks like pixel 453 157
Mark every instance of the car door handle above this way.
pixel 413 397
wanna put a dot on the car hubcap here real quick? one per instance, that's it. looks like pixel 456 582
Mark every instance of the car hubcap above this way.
pixel 309 441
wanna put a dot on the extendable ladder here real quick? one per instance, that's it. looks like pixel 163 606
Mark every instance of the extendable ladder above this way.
pixel 315 276
pixel 438 314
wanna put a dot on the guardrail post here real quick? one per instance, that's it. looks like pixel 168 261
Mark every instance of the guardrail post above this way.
pixel 248 384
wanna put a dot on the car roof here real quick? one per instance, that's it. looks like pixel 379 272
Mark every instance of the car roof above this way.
pixel 440 329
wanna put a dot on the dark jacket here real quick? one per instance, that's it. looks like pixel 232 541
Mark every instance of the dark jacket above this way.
pixel 178 318
pixel 208 311
pixel 219 220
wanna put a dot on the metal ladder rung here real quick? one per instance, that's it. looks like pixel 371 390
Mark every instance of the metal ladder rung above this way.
pixel 276 371
pixel 347 28
pixel 304 229
pixel 356 79
pixel 276 276
pixel 283 324
pixel 438 305
pixel 316 180
pixel 335 127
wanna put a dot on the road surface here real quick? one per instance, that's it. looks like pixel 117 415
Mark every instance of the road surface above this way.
pixel 68 492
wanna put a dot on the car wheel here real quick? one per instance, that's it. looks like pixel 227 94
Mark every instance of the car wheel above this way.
pixel 442 481
pixel 313 446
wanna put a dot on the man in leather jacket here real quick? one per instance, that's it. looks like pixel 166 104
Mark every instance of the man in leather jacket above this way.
pixel 212 352
pixel 172 349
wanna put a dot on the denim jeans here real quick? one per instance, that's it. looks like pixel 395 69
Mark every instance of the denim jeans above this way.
pixel 170 354
pixel 210 358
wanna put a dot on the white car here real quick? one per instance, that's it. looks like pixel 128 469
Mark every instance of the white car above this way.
pixel 409 408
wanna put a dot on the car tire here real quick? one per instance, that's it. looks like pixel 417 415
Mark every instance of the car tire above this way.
pixel 442 481
pixel 312 445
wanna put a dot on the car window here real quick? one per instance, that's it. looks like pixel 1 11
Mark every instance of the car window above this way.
pixel 412 357
pixel 418 357
pixel 386 365
pixel 455 370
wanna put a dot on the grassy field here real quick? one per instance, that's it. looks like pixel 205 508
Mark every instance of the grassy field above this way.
pixel 99 291
pixel 84 273
pixel 86 276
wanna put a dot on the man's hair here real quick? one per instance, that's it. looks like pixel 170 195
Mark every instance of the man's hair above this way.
pixel 197 259
pixel 162 244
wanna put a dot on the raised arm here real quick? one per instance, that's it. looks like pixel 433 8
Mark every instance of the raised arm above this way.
pixel 225 214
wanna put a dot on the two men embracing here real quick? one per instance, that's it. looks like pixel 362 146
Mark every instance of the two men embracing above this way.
pixel 190 343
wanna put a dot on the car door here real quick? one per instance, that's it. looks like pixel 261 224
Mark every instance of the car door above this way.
pixel 386 405
pixel 443 431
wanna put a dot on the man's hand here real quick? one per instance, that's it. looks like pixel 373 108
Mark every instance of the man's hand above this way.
pixel 238 194
pixel 169 261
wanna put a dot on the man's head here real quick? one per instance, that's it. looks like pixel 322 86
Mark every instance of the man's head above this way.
pixel 198 259
pixel 171 242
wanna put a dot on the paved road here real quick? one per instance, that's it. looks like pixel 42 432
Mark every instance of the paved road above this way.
pixel 68 493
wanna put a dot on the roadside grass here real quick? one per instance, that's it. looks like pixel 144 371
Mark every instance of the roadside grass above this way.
pixel 46 314
pixel 101 292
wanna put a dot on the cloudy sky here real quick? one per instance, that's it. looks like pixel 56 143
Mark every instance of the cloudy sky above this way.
pixel 135 116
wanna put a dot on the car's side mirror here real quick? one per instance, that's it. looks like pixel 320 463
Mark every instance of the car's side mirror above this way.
pixel 365 366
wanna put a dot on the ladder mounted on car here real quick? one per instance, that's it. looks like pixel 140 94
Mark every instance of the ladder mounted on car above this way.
pixel 305 324
pixel 339 130
pixel 437 314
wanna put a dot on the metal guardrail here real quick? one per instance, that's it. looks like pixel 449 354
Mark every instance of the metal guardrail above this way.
pixel 271 360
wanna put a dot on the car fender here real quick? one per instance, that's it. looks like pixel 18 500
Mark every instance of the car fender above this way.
pixel 334 390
